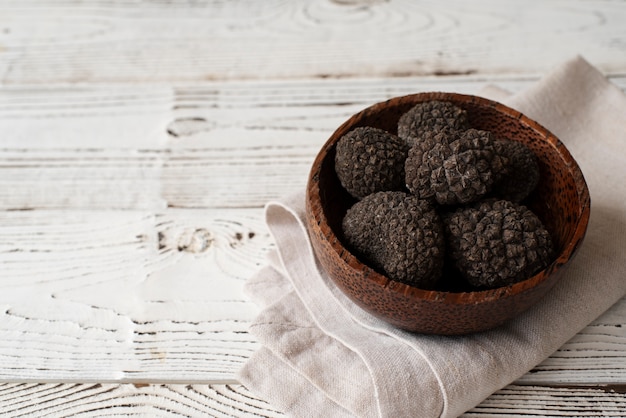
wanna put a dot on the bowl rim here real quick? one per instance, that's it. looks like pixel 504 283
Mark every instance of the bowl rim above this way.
pixel 442 296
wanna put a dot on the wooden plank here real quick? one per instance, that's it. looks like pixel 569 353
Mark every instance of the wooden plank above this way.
pixel 564 401
pixel 72 41
pixel 216 145
pixel 130 295
pixel 64 400
pixel 228 145
pixel 126 295
pixel 233 400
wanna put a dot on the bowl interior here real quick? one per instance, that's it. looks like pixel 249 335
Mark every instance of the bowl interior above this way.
pixel 561 200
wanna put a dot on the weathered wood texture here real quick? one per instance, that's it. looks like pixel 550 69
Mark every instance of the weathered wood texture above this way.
pixel 45 41
pixel 233 400
pixel 216 145
pixel 140 140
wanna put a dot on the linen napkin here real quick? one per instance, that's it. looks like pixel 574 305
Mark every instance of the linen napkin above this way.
pixel 321 355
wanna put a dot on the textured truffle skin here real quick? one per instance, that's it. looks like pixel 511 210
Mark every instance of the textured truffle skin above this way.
pixel 521 175
pixel 369 160
pixel 496 242
pixel 454 168
pixel 428 117
pixel 399 235
pixel 427 155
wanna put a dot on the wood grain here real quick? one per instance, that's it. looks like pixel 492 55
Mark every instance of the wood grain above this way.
pixel 233 400
pixel 127 295
pixel 96 400
pixel 71 41
pixel 140 141
pixel 217 145
pixel 558 401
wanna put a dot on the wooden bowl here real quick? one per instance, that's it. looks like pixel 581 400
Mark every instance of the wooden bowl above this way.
pixel 561 201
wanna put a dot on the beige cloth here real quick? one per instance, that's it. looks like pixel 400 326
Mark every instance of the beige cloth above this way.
pixel 323 356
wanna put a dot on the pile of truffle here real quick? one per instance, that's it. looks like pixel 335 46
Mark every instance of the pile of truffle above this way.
pixel 441 196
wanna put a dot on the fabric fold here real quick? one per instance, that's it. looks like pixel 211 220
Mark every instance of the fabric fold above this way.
pixel 393 394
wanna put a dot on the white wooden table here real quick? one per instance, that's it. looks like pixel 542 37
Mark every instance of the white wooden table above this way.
pixel 139 141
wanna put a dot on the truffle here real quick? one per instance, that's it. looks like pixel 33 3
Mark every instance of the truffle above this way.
pixel 522 174
pixel 431 116
pixel 399 235
pixel 369 160
pixel 496 242
pixel 454 168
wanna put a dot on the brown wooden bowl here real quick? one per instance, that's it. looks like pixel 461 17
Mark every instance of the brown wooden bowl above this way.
pixel 561 201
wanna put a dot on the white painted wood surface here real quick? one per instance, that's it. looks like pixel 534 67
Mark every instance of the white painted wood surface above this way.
pixel 181 40
pixel 140 140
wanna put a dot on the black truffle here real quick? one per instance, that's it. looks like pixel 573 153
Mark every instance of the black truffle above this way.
pixel 496 242
pixel 454 168
pixel 431 116
pixel 369 160
pixel 399 235
pixel 521 175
